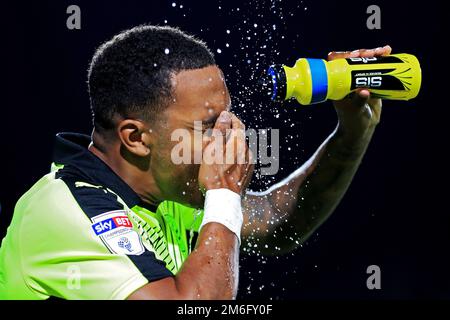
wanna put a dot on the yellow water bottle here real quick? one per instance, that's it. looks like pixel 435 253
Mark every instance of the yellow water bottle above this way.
pixel 393 77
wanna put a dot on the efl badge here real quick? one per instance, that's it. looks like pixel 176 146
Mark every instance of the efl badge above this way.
pixel 116 231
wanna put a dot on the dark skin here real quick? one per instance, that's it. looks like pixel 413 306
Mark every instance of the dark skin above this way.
pixel 139 152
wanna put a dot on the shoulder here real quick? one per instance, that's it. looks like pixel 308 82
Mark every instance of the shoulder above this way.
pixel 92 199
pixel 56 205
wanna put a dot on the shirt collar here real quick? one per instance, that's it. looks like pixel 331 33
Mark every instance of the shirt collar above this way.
pixel 71 150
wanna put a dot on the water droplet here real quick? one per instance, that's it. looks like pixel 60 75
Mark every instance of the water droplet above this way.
pixel 174 4
pixel 166 51
pixel 228 31
pixel 219 51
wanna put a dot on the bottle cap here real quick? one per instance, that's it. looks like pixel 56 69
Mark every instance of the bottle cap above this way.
pixel 275 82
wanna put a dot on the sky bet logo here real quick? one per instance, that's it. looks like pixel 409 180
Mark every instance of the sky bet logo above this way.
pixel 110 224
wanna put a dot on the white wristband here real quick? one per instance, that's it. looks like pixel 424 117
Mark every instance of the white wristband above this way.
pixel 223 206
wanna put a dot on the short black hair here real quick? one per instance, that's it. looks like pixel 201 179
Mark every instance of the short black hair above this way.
pixel 130 75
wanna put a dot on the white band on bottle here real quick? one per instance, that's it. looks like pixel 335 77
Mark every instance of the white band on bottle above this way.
pixel 223 206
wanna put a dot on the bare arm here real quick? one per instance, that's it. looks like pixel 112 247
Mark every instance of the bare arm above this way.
pixel 210 271
pixel 282 217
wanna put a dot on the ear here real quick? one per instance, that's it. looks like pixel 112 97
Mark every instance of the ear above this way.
pixel 135 137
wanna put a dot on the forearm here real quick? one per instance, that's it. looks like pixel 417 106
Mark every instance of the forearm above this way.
pixel 291 210
pixel 211 270
pixel 327 178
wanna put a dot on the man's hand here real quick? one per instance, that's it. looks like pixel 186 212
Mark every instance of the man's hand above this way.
pixel 358 113
pixel 227 160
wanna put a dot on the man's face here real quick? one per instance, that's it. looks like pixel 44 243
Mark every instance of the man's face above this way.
pixel 200 95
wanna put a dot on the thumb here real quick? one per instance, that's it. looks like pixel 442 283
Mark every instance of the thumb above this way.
pixel 360 97
pixel 223 122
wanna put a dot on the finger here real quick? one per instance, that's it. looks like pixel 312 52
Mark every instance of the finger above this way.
pixel 237 145
pixel 367 53
pixel 379 51
pixel 386 50
pixel 238 133
pixel 236 123
pixel 351 54
pixel 250 156
pixel 364 94
pixel 341 55
pixel 223 122
pixel 361 97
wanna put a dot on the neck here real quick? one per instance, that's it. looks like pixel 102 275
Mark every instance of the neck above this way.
pixel 136 175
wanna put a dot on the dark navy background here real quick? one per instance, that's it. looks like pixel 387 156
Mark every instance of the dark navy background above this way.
pixel 393 214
